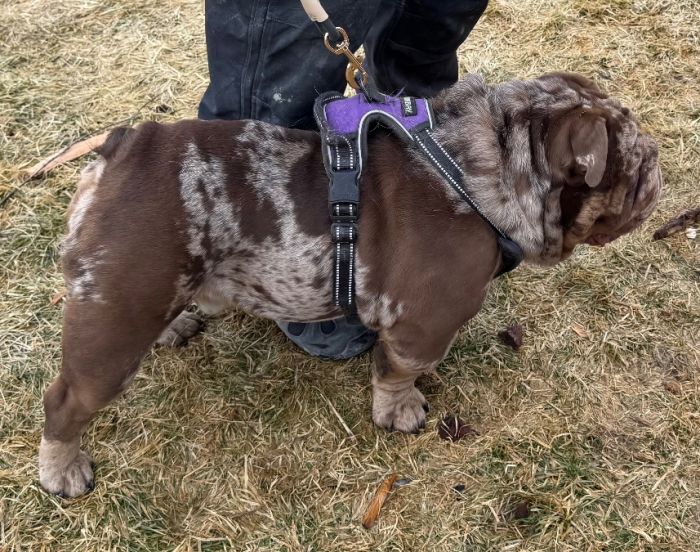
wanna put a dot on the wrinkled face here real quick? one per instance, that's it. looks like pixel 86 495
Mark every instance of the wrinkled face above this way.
pixel 607 167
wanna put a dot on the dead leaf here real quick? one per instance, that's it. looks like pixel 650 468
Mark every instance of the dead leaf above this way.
pixel 451 428
pixel 579 330
pixel 58 297
pixel 74 151
pixel 372 513
pixel 512 336
pixel 521 510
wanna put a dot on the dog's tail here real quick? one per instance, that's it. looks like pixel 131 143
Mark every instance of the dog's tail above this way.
pixel 114 141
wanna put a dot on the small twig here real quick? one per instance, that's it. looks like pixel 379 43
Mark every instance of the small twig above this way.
pixel 68 153
pixel 678 223
pixel 340 419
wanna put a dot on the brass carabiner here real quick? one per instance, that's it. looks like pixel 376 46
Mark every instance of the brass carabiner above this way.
pixel 354 64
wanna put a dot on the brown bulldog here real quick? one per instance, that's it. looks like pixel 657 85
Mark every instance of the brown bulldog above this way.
pixel 235 213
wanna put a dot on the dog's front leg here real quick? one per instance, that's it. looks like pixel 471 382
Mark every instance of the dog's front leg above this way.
pixel 396 402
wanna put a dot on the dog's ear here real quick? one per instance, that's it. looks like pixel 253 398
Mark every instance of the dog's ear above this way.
pixel 589 145
pixel 578 149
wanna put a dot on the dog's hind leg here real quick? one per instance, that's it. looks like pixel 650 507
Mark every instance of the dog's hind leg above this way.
pixel 187 324
pixel 103 344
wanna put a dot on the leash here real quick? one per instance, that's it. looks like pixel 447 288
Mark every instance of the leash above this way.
pixel 337 42
pixel 344 125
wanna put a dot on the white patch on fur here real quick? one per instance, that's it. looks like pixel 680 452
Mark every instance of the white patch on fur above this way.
pixel 82 200
pixel 378 310
pixel 81 283
pixel 585 160
pixel 205 197
pixel 80 207
pixel 210 215
pixel 64 468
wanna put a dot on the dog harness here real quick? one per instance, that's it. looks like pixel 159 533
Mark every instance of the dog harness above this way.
pixel 344 124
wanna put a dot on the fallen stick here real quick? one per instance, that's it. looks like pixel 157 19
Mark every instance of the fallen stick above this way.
pixel 372 513
pixel 677 224
pixel 74 151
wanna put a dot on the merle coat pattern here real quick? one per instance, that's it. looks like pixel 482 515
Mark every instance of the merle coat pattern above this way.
pixel 225 213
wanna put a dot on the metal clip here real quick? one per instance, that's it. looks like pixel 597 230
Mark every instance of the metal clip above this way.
pixel 355 64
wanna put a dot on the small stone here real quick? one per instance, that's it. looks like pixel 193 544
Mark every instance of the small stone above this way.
pixel 451 428
pixel 672 387
pixel 691 233
pixel 512 336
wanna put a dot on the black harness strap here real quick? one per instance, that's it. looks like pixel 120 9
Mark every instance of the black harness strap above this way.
pixel 341 157
pixel 511 252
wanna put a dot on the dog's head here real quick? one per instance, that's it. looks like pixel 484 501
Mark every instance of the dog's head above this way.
pixel 573 164
pixel 605 165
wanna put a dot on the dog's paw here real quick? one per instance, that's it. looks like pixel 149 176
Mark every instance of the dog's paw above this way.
pixel 64 469
pixel 186 325
pixel 402 410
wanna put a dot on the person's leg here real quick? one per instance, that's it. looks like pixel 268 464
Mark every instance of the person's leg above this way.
pixel 415 52
pixel 267 61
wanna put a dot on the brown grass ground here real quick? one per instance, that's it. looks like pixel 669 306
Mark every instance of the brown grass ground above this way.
pixel 232 444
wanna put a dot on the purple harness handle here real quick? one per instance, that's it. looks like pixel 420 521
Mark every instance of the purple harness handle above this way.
pixel 345 115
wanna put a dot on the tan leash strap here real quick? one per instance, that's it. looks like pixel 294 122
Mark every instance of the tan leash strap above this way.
pixel 314 10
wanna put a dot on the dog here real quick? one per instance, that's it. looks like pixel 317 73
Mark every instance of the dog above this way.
pixel 224 213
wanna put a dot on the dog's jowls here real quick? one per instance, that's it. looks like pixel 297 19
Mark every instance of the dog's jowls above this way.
pixel 225 213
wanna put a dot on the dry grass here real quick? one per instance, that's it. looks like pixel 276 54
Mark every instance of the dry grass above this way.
pixel 231 443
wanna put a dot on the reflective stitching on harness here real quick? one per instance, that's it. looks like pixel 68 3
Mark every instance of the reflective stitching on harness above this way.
pixel 352 260
pixel 352 255
pixel 352 156
pixel 456 166
pixel 337 271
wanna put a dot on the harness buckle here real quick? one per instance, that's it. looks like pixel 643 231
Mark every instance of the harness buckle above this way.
pixel 344 232
pixel 344 212
pixel 344 187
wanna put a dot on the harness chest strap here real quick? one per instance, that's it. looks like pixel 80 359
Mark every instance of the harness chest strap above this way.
pixel 343 123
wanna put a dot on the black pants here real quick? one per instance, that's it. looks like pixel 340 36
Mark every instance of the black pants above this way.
pixel 267 60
